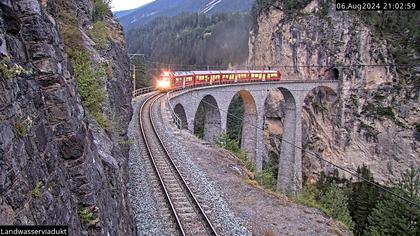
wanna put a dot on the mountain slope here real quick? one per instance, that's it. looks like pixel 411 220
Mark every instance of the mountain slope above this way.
pixel 375 121
pixel 146 13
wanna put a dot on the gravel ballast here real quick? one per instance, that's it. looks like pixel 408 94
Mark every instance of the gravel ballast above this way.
pixel 141 194
pixel 232 202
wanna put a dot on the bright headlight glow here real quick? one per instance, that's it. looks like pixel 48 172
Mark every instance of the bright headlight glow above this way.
pixel 163 84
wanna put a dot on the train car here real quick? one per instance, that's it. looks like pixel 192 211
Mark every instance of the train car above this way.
pixel 183 79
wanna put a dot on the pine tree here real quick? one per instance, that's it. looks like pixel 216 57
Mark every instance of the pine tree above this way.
pixel 363 199
pixel 394 216
pixel 336 202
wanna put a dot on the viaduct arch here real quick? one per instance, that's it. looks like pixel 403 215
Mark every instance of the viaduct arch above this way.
pixel 254 95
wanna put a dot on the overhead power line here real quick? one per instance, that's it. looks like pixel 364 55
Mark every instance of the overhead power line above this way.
pixel 316 156
pixel 288 66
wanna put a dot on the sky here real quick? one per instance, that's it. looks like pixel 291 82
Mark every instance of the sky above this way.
pixel 119 5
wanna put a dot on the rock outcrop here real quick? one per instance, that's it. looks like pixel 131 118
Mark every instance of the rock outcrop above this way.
pixel 373 120
pixel 63 161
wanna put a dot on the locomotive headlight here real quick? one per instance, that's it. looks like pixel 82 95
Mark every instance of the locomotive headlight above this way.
pixel 163 84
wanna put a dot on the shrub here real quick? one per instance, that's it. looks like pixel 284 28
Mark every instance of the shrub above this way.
pixel 378 111
pixel 267 179
pixel 336 202
pixel 355 100
pixel 370 132
pixel 101 9
pixel 99 34
pixel 36 193
pixel 225 142
pixel 9 70
pixel 329 198
pixel 21 128
pixel 69 28
pixel 85 215
pixel 309 196
pixel 89 86
pixel 385 111
pixel 392 216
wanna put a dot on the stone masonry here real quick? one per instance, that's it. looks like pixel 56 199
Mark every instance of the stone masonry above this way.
pixel 216 100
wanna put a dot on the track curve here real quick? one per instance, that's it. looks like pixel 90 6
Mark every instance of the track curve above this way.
pixel 188 215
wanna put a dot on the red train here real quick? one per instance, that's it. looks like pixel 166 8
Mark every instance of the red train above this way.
pixel 183 79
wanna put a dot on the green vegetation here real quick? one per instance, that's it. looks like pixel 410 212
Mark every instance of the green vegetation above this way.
pixel 142 78
pixel 393 216
pixel 332 201
pixel 379 111
pixel 99 33
pixel 89 86
pixel 36 193
pixel 263 6
pixel 193 39
pixel 370 132
pixel 330 195
pixel 363 198
pixel 400 30
pixel 289 7
pixel 87 76
pixel 294 6
pixel 9 70
pixel 364 208
pixel 199 121
pixel 267 179
pixel 85 215
pixel 336 202
pixel 385 111
pixel 21 128
pixel 69 28
pixel 355 100
pixel 231 145
pixel 268 176
pixel 235 116
pixel 102 9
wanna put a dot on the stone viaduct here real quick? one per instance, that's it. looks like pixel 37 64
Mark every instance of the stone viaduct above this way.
pixel 216 100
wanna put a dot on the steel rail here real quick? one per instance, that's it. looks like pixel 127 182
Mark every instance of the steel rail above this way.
pixel 166 193
pixel 204 219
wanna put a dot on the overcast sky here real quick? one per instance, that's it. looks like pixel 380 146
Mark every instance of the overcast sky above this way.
pixel 118 5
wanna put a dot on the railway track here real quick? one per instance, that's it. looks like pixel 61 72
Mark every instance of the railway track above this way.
pixel 186 214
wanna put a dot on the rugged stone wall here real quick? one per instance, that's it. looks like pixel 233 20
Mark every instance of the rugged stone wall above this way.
pixel 57 164
pixel 374 119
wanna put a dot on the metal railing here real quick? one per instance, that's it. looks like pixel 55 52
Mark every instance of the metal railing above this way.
pixel 141 91
pixel 177 121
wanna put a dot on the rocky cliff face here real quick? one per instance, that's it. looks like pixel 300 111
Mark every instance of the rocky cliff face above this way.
pixel 374 118
pixel 64 113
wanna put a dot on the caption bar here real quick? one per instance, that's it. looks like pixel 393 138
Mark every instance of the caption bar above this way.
pixel 376 5
pixel 34 230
